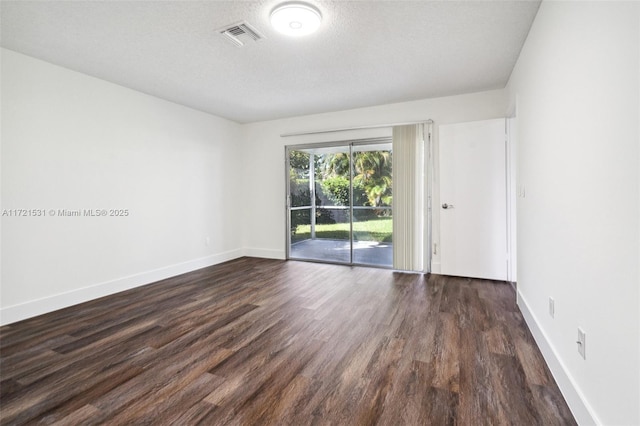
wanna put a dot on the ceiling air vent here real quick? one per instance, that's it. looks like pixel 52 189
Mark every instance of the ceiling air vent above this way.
pixel 241 33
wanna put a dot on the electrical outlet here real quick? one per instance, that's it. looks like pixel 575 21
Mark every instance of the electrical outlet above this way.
pixel 207 241
pixel 582 341
pixel 552 307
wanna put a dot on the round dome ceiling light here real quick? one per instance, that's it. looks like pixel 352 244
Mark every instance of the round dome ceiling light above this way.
pixel 296 19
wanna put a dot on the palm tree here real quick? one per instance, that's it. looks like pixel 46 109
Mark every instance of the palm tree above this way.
pixel 373 170
pixel 332 165
pixel 372 173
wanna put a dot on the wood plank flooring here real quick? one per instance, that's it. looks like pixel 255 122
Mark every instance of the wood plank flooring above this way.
pixel 256 341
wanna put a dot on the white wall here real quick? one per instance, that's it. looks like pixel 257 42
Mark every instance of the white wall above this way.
pixel 264 154
pixel 577 89
pixel 70 141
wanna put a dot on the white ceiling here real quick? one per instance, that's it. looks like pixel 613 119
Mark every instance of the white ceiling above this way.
pixel 366 52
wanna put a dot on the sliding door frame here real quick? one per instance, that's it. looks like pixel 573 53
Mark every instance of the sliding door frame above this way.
pixel 350 143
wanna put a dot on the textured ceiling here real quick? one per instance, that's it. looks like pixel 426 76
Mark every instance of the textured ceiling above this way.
pixel 365 53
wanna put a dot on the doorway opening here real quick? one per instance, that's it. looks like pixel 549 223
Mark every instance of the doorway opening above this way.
pixel 339 202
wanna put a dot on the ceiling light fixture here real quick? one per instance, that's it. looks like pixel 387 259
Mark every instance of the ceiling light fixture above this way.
pixel 296 19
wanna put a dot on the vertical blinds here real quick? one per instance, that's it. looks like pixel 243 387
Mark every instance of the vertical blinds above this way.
pixel 408 197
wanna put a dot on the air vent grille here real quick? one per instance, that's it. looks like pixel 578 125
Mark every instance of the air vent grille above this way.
pixel 241 33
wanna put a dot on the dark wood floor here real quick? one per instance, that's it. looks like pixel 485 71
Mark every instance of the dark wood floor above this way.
pixel 257 341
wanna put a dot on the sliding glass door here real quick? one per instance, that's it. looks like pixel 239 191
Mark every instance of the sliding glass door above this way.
pixel 339 203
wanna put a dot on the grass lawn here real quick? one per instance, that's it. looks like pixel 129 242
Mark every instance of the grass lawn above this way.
pixel 379 229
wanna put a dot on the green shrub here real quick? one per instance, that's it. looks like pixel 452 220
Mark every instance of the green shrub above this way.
pixel 336 189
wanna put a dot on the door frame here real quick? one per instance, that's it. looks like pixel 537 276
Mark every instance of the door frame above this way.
pixel 513 191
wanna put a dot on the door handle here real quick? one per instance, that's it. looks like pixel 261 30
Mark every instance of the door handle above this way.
pixel 447 206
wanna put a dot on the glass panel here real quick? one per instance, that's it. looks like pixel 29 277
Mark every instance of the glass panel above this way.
pixel 372 198
pixel 332 242
pixel 373 236
pixel 299 188
pixel 323 234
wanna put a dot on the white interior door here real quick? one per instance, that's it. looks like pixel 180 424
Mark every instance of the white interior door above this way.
pixel 473 219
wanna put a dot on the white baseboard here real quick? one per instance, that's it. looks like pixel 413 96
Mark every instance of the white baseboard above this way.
pixel 33 308
pixel 265 253
pixel 581 409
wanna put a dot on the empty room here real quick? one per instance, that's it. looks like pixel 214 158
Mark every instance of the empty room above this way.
pixel 320 212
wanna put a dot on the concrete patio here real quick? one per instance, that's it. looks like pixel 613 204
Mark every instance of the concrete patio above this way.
pixel 364 252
